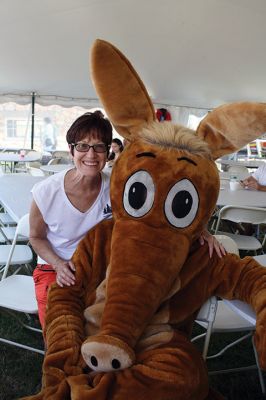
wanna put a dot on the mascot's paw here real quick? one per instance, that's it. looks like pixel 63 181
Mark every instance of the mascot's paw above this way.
pixel 106 353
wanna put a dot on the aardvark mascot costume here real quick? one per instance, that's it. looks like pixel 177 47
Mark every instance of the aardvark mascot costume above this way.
pixel 122 332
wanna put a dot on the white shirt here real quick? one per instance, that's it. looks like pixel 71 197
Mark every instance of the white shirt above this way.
pixel 66 225
pixel 260 175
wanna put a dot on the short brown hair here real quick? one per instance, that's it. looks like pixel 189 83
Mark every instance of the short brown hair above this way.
pixel 90 122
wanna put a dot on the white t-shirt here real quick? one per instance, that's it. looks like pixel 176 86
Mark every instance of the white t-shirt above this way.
pixel 66 225
pixel 260 174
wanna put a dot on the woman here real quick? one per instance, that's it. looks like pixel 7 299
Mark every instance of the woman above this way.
pixel 117 148
pixel 66 205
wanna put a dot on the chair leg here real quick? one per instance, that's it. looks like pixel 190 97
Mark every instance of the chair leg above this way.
pixel 230 345
pixel 262 384
pixel 22 346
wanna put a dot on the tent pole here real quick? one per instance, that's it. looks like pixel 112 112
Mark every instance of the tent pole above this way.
pixel 32 118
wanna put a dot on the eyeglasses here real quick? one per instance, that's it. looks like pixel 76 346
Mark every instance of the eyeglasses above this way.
pixel 85 147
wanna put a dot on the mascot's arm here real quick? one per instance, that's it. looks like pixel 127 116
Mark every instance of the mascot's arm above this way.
pixel 64 318
pixel 245 279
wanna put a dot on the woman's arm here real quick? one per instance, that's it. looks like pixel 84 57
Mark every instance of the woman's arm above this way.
pixel 40 244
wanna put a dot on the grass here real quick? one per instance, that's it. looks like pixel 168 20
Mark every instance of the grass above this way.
pixel 20 370
pixel 234 385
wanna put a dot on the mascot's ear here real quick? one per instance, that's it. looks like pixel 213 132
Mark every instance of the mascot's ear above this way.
pixel 230 127
pixel 120 90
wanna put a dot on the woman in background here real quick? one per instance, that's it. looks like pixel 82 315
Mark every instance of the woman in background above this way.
pixel 117 148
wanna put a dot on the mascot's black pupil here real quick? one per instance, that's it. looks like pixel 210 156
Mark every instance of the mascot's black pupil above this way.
pixel 182 203
pixel 137 195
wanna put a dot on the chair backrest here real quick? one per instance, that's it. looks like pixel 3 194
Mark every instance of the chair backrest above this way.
pixel 36 171
pixel 65 160
pixel 53 161
pixel 239 170
pixel 61 153
pixel 208 310
pixel 228 243
pixel 32 153
pixel 238 214
pixel 23 228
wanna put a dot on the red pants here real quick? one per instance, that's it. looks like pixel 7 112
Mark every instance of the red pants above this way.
pixel 43 276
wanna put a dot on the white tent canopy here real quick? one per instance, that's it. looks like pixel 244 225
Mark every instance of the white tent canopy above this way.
pixel 196 53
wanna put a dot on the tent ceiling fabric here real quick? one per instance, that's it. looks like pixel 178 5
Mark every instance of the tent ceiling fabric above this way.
pixel 198 53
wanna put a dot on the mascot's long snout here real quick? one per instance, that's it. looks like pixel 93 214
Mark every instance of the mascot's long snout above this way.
pixel 137 284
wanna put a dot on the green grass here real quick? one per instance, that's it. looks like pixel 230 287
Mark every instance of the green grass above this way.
pixel 20 370
pixel 234 385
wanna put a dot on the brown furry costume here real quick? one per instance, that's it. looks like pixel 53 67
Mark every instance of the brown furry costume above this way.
pixel 134 340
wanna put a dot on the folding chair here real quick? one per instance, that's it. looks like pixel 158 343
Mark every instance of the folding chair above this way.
pixel 36 171
pixel 217 316
pixel 6 219
pixel 240 171
pixel 7 234
pixel 17 254
pixel 17 293
pixel 238 214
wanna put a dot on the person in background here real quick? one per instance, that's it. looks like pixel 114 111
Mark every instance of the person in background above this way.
pixel 117 148
pixel 257 181
pixel 48 136
pixel 66 205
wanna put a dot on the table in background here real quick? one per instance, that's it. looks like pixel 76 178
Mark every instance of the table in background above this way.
pixel 240 197
pixel 15 193
pixel 13 158
pixel 54 168
pixel 13 149
pixel 244 163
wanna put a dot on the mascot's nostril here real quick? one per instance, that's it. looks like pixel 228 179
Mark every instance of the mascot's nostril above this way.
pixel 116 364
pixel 94 361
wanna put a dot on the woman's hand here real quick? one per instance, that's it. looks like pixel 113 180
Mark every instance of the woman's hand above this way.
pixel 212 243
pixel 65 273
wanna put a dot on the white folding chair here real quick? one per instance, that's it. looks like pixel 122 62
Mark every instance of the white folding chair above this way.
pixel 240 171
pixel 54 161
pixel 217 316
pixel 17 254
pixel 17 293
pixel 7 234
pixel 251 215
pixel 36 171
pixel 6 219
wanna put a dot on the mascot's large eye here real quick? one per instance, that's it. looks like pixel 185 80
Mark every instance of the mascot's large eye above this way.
pixel 181 204
pixel 139 194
